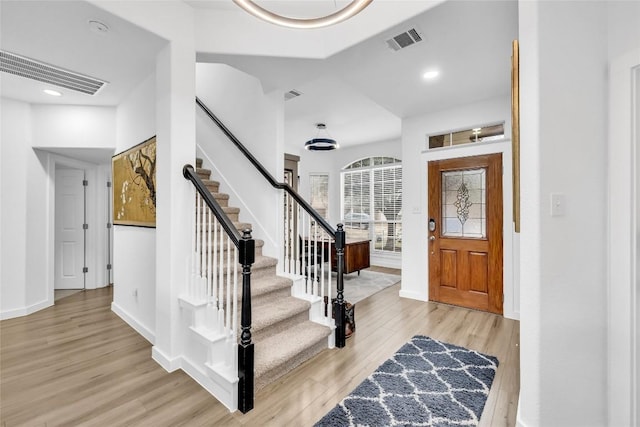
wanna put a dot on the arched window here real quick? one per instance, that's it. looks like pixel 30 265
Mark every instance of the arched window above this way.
pixel 372 202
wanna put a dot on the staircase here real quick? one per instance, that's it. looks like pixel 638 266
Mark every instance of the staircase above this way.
pixel 282 332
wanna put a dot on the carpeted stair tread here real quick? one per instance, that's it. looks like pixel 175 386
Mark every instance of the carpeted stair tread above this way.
pixel 280 352
pixel 208 182
pixel 203 173
pixel 241 226
pixel 269 315
pixel 265 290
pixel 266 285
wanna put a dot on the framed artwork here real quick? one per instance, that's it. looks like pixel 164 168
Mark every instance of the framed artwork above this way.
pixel 515 131
pixel 134 185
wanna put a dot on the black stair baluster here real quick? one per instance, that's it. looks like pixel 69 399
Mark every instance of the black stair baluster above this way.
pixel 339 306
pixel 246 362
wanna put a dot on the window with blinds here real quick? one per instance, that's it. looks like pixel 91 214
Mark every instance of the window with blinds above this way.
pixel 372 202
pixel 319 184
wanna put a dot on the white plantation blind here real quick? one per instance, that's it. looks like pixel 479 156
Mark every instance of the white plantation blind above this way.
pixel 387 184
pixel 372 201
pixel 319 184
pixel 357 193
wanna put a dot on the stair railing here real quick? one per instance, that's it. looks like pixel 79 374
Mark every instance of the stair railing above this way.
pixel 310 245
pixel 218 249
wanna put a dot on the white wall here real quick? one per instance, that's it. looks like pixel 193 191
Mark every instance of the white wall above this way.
pixel 16 140
pixel 623 30
pixel 415 204
pixel 134 248
pixel 29 180
pixel 237 99
pixel 72 126
pixel 563 150
pixel 331 163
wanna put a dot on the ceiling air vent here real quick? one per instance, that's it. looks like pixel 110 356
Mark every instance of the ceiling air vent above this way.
pixel 405 39
pixel 40 71
pixel 292 94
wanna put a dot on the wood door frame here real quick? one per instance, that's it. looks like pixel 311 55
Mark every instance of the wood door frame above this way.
pixel 494 211
pixel 511 240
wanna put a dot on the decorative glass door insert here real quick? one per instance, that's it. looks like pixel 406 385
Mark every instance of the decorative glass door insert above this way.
pixel 464 202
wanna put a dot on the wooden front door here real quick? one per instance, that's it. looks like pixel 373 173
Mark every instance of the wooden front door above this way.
pixel 465 232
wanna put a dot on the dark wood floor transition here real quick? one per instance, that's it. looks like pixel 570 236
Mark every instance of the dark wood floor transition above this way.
pixel 77 363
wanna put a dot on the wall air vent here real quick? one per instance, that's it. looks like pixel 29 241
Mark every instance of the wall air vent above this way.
pixel 292 94
pixel 405 39
pixel 40 71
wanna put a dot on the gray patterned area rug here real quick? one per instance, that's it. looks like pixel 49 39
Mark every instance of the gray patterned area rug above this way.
pixel 360 286
pixel 426 383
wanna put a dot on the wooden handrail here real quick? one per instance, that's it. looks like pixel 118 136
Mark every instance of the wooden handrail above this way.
pixel 338 235
pixel 263 171
pixel 190 174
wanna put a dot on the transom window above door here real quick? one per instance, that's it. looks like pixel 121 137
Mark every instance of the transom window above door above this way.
pixel 467 136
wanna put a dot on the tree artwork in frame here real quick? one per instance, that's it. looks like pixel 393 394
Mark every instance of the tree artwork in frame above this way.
pixel 134 185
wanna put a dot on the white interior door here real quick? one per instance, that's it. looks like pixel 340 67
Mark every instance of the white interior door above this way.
pixel 69 232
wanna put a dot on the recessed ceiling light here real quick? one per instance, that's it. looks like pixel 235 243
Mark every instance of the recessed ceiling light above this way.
pixel 431 74
pixel 98 27
pixel 52 92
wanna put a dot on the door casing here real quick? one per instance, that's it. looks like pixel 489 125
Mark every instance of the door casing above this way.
pixel 511 240
pixel 471 267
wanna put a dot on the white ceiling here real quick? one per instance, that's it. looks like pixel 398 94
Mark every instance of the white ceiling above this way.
pixel 58 33
pixel 361 93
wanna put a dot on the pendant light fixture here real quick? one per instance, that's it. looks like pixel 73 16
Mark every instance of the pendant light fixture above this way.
pixel 341 15
pixel 321 142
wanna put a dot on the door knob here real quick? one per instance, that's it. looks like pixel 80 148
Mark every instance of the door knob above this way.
pixel 432 238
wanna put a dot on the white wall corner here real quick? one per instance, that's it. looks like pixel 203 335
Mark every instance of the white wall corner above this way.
pixel 25 311
pixel 169 364
pixel 420 296
pixel 133 322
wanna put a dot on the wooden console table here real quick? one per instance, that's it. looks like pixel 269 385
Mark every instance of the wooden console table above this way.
pixel 356 256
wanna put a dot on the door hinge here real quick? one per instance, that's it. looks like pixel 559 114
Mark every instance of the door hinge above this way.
pixel 108 266
pixel 109 225
pixel 85 226
pixel 108 184
pixel 85 182
pixel 85 269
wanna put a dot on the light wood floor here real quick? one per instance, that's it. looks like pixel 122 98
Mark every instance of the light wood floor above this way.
pixel 77 363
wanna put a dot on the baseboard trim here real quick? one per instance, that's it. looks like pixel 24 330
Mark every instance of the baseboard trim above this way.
pixel 513 315
pixel 413 295
pixel 134 323
pixel 225 391
pixel 169 364
pixel 25 311
pixel 519 422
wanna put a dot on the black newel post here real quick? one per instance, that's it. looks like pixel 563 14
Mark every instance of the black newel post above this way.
pixel 338 306
pixel 245 349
